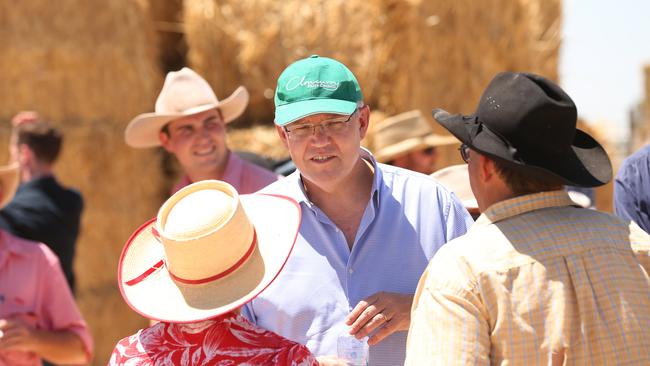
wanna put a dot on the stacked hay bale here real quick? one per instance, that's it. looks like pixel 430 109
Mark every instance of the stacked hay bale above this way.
pixel 640 135
pixel 89 67
pixel 406 54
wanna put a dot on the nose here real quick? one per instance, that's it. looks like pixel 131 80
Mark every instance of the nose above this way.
pixel 319 137
pixel 203 133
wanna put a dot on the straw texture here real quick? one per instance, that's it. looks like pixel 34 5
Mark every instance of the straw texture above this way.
pixel 406 54
pixel 89 67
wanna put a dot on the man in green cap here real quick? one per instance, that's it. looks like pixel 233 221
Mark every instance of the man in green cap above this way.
pixel 368 230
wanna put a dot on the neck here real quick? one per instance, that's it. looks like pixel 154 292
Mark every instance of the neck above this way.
pixel 34 172
pixel 353 190
pixel 202 173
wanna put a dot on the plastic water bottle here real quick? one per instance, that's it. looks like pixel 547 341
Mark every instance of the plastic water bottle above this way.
pixel 354 351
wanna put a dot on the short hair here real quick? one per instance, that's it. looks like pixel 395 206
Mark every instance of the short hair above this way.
pixel 522 181
pixel 42 138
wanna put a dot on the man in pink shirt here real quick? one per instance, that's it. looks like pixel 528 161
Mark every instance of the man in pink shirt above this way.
pixel 190 123
pixel 39 319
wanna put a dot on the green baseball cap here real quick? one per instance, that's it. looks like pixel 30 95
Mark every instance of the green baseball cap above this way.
pixel 315 85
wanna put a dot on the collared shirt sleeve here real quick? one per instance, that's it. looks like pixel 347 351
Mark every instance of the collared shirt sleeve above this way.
pixel 60 312
pixel 449 325
pixel 631 201
pixel 458 219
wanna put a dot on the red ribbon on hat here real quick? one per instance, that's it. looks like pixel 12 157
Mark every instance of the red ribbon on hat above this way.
pixel 219 275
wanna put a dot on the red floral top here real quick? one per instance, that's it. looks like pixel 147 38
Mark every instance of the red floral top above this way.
pixel 227 340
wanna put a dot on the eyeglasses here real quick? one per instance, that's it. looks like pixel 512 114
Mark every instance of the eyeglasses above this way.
pixel 464 152
pixel 328 127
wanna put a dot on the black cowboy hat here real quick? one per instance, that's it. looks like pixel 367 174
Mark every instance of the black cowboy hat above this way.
pixel 529 122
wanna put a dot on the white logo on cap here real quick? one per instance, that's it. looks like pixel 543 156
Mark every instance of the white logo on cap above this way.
pixel 297 81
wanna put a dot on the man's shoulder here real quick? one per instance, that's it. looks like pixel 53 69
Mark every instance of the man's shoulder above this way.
pixel 400 178
pixel 406 184
pixel 30 248
pixel 256 177
pixel 258 170
pixel 640 156
pixel 286 186
pixel 38 192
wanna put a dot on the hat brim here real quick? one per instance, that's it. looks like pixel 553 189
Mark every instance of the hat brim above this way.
pixel 388 153
pixel 9 178
pixel 143 130
pixel 159 297
pixel 585 164
pixel 292 112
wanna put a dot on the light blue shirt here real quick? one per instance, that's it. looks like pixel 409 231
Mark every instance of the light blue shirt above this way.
pixel 408 218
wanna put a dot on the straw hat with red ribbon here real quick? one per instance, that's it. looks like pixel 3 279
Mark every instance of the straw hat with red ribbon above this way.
pixel 209 251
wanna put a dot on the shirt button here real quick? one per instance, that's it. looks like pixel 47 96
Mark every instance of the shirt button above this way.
pixel 350 271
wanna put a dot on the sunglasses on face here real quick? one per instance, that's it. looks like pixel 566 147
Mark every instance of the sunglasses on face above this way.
pixel 464 152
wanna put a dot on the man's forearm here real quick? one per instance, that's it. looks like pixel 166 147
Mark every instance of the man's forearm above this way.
pixel 65 347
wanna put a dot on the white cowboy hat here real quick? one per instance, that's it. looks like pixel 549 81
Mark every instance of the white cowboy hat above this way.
pixel 405 132
pixel 209 251
pixel 184 93
pixel 9 179
pixel 456 179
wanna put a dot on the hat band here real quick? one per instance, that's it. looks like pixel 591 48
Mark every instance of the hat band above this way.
pixel 477 127
pixel 199 281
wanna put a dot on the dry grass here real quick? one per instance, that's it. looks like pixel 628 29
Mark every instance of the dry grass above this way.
pixel 406 54
pixel 89 67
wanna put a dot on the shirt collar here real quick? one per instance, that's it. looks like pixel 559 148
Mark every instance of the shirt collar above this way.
pixel 233 169
pixel 8 247
pixel 523 204
pixel 231 173
pixel 298 193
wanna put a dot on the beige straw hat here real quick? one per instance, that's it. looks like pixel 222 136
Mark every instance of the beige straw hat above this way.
pixel 184 93
pixel 209 251
pixel 9 179
pixel 405 132
pixel 456 179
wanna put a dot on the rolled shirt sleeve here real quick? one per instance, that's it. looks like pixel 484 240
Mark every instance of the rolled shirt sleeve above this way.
pixel 59 312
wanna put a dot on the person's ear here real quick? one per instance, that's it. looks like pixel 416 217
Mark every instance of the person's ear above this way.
pixel 487 168
pixel 25 154
pixel 364 120
pixel 165 141
pixel 283 135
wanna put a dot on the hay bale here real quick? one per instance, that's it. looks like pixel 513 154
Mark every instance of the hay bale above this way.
pixel 262 140
pixel 89 69
pixel 167 18
pixel 406 54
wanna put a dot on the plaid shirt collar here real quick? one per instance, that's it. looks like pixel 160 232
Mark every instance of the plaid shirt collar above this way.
pixel 523 204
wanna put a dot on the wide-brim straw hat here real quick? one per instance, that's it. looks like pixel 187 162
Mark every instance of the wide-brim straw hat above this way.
pixel 209 251
pixel 405 132
pixel 184 93
pixel 456 179
pixel 9 180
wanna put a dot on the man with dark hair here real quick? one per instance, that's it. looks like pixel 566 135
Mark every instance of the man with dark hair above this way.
pixel 537 280
pixel 42 209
